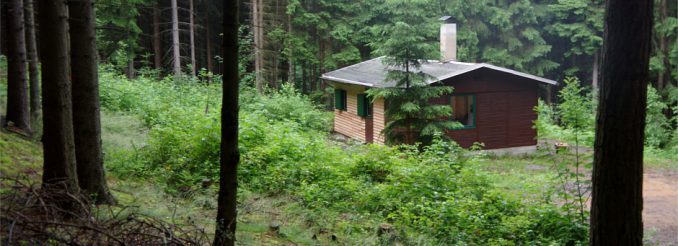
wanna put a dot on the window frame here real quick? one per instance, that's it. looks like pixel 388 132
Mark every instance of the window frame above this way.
pixel 474 110
pixel 366 105
pixel 342 98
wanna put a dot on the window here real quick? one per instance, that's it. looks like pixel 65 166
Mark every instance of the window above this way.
pixel 364 105
pixel 464 110
pixel 340 99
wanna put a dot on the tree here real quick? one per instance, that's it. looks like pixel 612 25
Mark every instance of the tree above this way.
pixel 57 140
pixel 616 208
pixel 157 49
pixel 86 115
pixel 409 111
pixel 18 113
pixel 175 40
pixel 230 156
pixel 192 34
pixel 32 52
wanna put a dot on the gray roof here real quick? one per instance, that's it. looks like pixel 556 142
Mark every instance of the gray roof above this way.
pixel 372 73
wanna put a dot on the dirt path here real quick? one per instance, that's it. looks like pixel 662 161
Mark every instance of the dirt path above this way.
pixel 660 213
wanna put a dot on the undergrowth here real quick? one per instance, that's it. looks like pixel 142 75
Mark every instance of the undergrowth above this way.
pixel 429 194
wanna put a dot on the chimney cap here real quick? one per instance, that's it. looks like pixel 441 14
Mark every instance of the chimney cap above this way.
pixel 447 19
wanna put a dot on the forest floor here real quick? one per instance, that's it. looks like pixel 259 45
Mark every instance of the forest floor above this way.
pixel 527 175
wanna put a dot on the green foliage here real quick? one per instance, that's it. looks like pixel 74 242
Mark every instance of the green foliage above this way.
pixel 117 30
pixel 573 119
pixel 657 126
pixel 409 111
pixel 426 192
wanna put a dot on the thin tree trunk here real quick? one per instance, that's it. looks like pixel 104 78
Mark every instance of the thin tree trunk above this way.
pixel 175 40
pixel 616 208
pixel 192 34
pixel 18 113
pixel 32 53
pixel 230 156
pixel 57 138
pixel 258 44
pixel 594 75
pixel 663 49
pixel 86 115
pixel 157 50
pixel 208 38
pixel 290 55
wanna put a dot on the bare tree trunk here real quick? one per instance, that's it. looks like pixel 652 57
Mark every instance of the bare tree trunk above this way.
pixel 192 34
pixel 616 208
pixel 157 50
pixel 257 30
pixel 57 140
pixel 596 65
pixel 290 56
pixel 86 115
pixel 663 49
pixel 31 51
pixel 18 113
pixel 230 156
pixel 175 40
pixel 208 38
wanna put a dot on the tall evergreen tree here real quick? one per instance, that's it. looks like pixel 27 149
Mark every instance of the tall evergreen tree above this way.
pixel 85 90
pixel 616 208
pixel 409 111
pixel 18 113
pixel 57 140
pixel 175 40
pixel 32 54
pixel 230 155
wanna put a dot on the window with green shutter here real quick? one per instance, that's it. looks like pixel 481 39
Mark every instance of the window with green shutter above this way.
pixel 364 107
pixel 340 99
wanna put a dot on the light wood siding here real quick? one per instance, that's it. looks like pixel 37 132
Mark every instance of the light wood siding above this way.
pixel 378 108
pixel 348 122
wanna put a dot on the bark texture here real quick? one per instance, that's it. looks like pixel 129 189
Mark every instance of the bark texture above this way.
pixel 230 156
pixel 57 139
pixel 616 208
pixel 18 113
pixel 192 37
pixel 175 40
pixel 32 54
pixel 157 50
pixel 86 115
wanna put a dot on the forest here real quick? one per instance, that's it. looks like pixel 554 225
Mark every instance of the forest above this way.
pixel 338 122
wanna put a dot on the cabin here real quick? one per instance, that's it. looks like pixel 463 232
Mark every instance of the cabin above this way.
pixel 495 105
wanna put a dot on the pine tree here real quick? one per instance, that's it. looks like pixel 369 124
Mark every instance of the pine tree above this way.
pixel 85 96
pixel 617 192
pixel 18 113
pixel 230 155
pixel 408 109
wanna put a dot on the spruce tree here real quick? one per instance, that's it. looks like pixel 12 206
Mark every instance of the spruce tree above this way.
pixel 409 111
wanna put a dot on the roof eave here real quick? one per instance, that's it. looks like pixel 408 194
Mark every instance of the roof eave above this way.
pixel 346 81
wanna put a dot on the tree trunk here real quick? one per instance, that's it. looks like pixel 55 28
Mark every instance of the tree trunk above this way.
pixel 616 208
pixel 57 138
pixel 86 116
pixel 208 40
pixel 175 40
pixel 18 113
pixel 192 34
pixel 594 75
pixel 31 51
pixel 157 50
pixel 663 49
pixel 230 156
pixel 257 22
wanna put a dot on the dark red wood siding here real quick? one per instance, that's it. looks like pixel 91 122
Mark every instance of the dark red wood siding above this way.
pixel 504 109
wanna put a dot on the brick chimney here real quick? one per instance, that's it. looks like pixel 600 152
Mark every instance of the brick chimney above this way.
pixel 448 39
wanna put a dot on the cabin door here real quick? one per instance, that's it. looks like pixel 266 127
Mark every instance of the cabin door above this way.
pixel 369 126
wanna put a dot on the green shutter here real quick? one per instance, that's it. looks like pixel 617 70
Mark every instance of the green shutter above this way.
pixel 340 99
pixel 362 103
